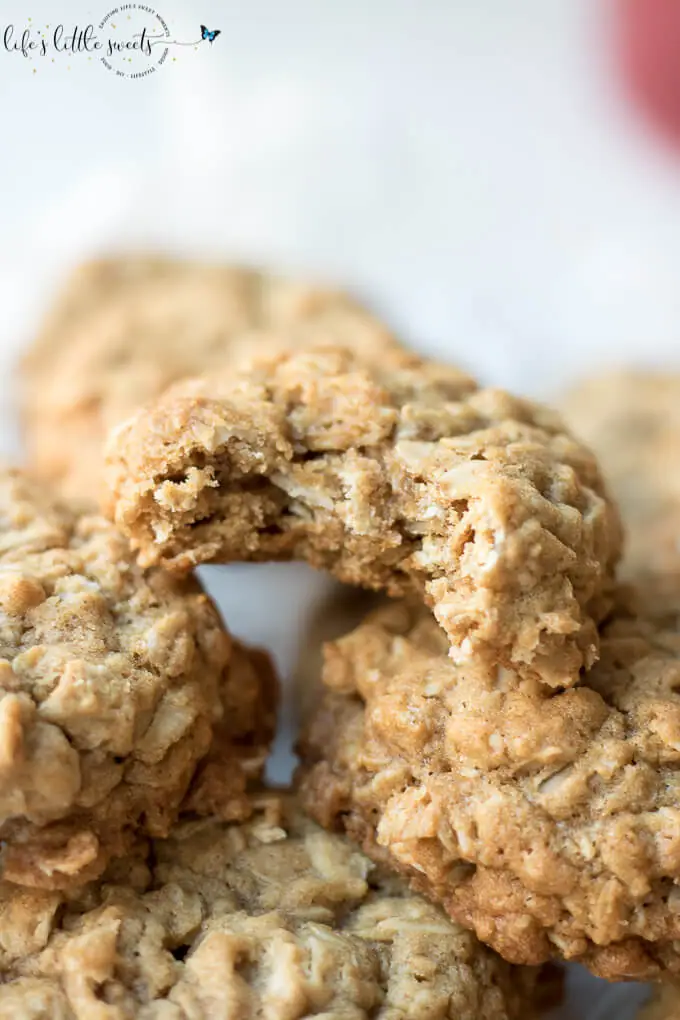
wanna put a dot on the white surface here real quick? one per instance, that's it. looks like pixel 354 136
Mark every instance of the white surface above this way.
pixel 468 165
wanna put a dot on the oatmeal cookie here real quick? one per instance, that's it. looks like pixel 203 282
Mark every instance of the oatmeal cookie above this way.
pixel 546 821
pixel 632 422
pixel 402 476
pixel 125 328
pixel 112 682
pixel 274 918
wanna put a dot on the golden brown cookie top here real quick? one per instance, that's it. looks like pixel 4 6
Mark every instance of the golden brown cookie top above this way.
pixel 547 821
pixel 274 917
pixel 401 475
pixel 631 419
pixel 125 328
pixel 112 680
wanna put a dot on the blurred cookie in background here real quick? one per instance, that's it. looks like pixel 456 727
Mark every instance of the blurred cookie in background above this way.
pixel 126 327
pixel 631 419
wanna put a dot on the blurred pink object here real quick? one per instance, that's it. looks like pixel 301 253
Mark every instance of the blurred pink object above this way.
pixel 649 48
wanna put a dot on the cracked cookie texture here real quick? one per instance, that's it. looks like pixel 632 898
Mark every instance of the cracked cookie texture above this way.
pixel 546 821
pixel 272 918
pixel 402 475
pixel 126 327
pixel 631 419
pixel 113 681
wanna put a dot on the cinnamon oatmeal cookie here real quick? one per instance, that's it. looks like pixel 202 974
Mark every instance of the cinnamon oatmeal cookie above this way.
pixel 403 476
pixel 632 421
pixel 273 918
pixel 548 821
pixel 125 328
pixel 113 681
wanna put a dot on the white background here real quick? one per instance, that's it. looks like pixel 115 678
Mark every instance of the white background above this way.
pixel 471 167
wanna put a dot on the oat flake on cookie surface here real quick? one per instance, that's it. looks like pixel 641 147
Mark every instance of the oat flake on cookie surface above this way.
pixel 113 682
pixel 400 475
pixel 546 821
pixel 269 918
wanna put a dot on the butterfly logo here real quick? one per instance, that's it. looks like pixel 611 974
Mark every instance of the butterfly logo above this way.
pixel 206 33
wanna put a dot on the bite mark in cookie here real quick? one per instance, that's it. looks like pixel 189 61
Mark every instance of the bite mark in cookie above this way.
pixel 400 475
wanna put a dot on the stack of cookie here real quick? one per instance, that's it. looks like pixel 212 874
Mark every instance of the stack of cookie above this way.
pixel 493 758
